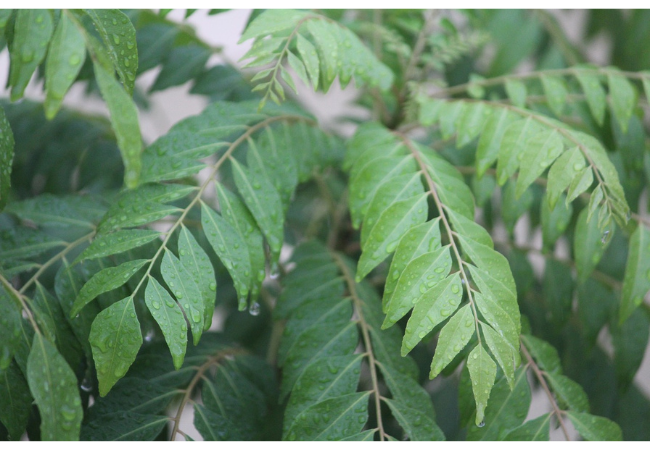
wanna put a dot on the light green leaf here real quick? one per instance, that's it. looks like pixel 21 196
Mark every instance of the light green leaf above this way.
pixel 595 428
pixel 298 67
pixel 556 93
pixel 563 171
pixel 16 401
pixel 544 354
pixel 623 98
pixel 538 154
pixel 514 141
pixel 197 262
pixel 636 283
pixel 420 276
pixel 272 21
pixel 432 308
pixel 513 207
pixel 169 317
pixel 66 55
pixel 582 181
pixel 309 57
pixel 231 249
pixel 448 117
pixel 181 283
pixel 533 430
pixel 595 94
pixel 53 385
pixel 503 352
pixel 6 158
pixel 264 203
pixel 482 371
pixel 104 281
pixel 117 242
pixel 489 144
pixel 454 336
pixel 570 394
pixel 32 32
pixel 516 91
pixel 115 338
pixel 418 240
pixel 588 245
pixel 471 122
pixel 325 38
pixel 388 231
pixel 505 323
pixel 118 35
pixel 554 220
pixel 334 418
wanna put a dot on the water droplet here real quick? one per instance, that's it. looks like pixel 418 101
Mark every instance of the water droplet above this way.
pixel 74 60
pixel 275 271
pixel 116 39
pixel 156 305
pixel 254 309
pixel 213 287
pixel 455 289
pixel 605 237
pixel 482 424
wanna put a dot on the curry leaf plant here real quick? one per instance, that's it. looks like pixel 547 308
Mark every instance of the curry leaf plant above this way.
pixel 462 254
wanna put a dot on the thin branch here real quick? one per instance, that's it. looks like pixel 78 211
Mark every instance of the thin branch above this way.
pixel 349 279
pixel 542 382
pixel 21 298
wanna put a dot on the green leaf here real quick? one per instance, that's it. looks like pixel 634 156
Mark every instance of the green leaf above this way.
pixel 544 354
pixel 558 291
pixel 507 409
pixel 264 203
pixel 197 262
pixel 595 94
pixel 181 283
pixel 630 341
pixel 118 35
pixel 516 91
pixel 16 401
pixel 309 57
pixel 595 304
pixel 169 317
pixel 636 283
pixel 482 371
pixel 124 426
pixel 503 352
pixel 594 428
pixel 32 32
pixel 420 276
pixel 104 281
pixel 66 55
pixel 570 394
pixel 124 119
pixel 454 336
pixel 471 122
pixel 334 418
pixel 117 242
pixel 563 171
pixel 554 219
pixel 388 231
pixel 582 181
pixel 416 425
pixel 6 158
pixel 556 93
pixel 515 138
pixel 448 117
pixel 213 426
pixel 432 308
pixel 231 249
pixel 489 144
pixel 272 21
pixel 298 67
pixel 533 430
pixel 53 385
pixel 47 209
pixel 23 242
pixel 182 64
pixel 623 98
pixel 588 245
pixel 538 154
pixel 115 338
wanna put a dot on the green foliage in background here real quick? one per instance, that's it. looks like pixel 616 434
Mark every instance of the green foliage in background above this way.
pixel 476 234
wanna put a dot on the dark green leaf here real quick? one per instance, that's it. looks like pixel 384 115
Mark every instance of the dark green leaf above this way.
pixel 482 371
pixel 16 401
pixel 454 336
pixel 636 283
pixel 594 428
pixel 117 242
pixel 6 158
pixel 533 430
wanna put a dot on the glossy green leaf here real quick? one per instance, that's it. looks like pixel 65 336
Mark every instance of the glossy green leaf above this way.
pixel 489 144
pixel 169 317
pixel 454 336
pixel 471 122
pixel 214 426
pixel 33 30
pixel 118 35
pixel 388 231
pixel 570 394
pixel 517 92
pixel 125 426
pixel 544 354
pixel 16 401
pixel 636 283
pixel 6 158
pixel 271 21
pixel 231 249
pixel 513 142
pixel 104 281
pixel 588 245
pixel 416 425
pixel 556 93
pixel 563 171
pixel 482 371
pixel 308 55
pixel 124 119
pixel 594 428
pixel 538 154
pixel 623 98
pixel 533 430
pixel 53 385
pixel 117 242
pixel 197 262
pixel 60 211
pixel 582 181
pixel 66 55
pixel 115 338
pixel 181 283
pixel 595 94
pixel 503 352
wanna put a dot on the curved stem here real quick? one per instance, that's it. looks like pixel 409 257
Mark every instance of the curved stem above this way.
pixel 441 208
pixel 21 299
pixel 349 279
pixel 195 379
pixel 540 377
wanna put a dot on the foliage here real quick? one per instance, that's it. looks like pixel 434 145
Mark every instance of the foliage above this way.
pixel 280 280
